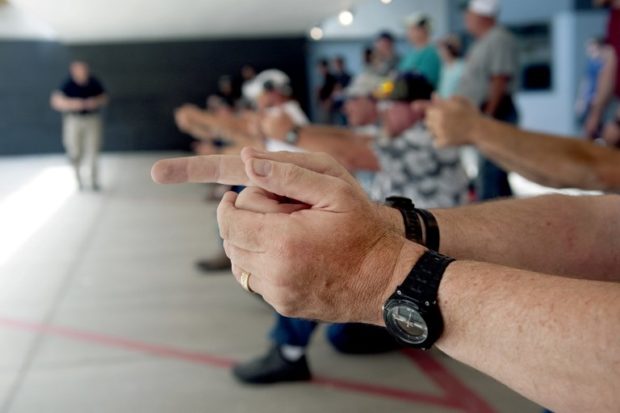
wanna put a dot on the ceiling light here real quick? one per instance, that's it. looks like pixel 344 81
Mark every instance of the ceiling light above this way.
pixel 345 17
pixel 316 33
pixel 386 1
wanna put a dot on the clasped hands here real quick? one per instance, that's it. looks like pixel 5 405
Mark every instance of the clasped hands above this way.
pixel 315 245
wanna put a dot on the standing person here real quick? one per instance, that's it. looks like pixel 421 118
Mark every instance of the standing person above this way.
pixel 80 99
pixel 385 59
pixel 452 66
pixel 325 91
pixel 343 78
pixel 595 88
pixel 423 58
pixel 611 85
pixel 489 81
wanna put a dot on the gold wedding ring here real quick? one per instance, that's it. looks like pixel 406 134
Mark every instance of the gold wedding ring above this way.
pixel 245 281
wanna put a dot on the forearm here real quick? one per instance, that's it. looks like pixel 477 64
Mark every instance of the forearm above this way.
pixel 230 128
pixel 546 159
pixel 352 151
pixel 568 236
pixel 62 103
pixel 554 340
pixel 313 137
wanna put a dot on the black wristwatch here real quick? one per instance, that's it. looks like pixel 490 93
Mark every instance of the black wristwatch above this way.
pixel 427 234
pixel 292 137
pixel 412 314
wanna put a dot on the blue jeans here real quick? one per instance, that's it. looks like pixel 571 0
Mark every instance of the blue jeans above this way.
pixel 345 338
pixel 492 181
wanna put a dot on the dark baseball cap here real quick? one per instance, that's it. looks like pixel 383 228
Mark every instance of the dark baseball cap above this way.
pixel 407 87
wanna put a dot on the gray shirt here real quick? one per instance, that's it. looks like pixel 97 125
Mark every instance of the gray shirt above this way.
pixel 494 54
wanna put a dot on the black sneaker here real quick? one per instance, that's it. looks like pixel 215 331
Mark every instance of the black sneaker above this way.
pixel 217 264
pixel 272 368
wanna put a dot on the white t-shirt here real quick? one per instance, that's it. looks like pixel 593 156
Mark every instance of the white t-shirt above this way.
pixel 299 118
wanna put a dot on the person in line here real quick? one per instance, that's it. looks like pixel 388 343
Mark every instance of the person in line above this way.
pixel 423 57
pixel 343 79
pixel 385 58
pixel 80 99
pixel 595 88
pixel 452 66
pixel 489 81
pixel 324 94
pixel 526 271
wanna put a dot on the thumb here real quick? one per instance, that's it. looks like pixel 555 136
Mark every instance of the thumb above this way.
pixel 320 191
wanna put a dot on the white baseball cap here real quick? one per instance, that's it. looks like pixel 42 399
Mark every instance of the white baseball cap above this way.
pixel 488 8
pixel 269 79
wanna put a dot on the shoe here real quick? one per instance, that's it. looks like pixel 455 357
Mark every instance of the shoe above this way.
pixel 221 263
pixel 272 368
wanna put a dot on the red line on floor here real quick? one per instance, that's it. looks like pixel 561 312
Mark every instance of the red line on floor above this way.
pixel 456 397
pixel 454 389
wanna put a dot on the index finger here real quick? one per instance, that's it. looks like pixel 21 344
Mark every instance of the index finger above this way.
pixel 221 169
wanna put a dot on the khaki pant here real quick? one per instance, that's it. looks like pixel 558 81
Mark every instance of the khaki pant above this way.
pixel 82 138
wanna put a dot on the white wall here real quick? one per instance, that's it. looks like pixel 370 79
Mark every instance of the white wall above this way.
pixel 553 111
pixel 16 24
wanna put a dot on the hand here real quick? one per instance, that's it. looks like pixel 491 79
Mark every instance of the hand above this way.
pixel 592 124
pixel 184 116
pixel 611 134
pixel 90 104
pixel 452 122
pixel 329 254
pixel 276 125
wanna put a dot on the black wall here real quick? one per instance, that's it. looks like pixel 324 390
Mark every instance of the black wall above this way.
pixel 145 81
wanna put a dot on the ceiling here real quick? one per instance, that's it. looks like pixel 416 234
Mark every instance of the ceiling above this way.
pixel 122 20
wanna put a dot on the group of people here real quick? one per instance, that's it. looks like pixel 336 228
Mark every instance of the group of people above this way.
pixel 364 226
pixel 306 236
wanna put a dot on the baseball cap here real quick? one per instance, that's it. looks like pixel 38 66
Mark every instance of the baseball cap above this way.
pixel 363 85
pixel 419 20
pixel 268 80
pixel 407 87
pixel 488 8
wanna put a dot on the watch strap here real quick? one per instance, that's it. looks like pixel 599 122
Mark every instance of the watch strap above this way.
pixel 431 229
pixel 422 283
pixel 413 227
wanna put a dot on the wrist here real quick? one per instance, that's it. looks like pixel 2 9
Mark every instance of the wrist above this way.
pixel 392 260
pixel 406 259
pixel 393 219
pixel 479 130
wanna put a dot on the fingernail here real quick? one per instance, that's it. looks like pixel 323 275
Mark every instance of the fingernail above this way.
pixel 261 167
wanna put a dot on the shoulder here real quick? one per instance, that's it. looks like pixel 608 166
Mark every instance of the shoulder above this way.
pixel 502 35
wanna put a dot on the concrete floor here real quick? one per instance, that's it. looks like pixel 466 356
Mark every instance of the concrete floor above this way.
pixel 101 310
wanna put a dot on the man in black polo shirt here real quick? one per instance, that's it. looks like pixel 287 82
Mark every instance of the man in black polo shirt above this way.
pixel 80 99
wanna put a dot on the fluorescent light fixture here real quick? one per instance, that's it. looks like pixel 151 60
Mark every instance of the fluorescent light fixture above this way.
pixel 386 1
pixel 26 210
pixel 316 33
pixel 345 17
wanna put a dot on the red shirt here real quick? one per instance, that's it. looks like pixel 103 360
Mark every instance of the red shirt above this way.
pixel 613 38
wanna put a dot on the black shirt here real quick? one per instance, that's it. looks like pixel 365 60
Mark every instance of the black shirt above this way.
pixel 91 89
pixel 327 88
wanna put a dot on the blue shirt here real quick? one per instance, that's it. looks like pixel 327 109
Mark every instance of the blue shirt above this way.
pixel 425 61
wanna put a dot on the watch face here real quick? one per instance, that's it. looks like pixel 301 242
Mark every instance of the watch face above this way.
pixel 404 317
